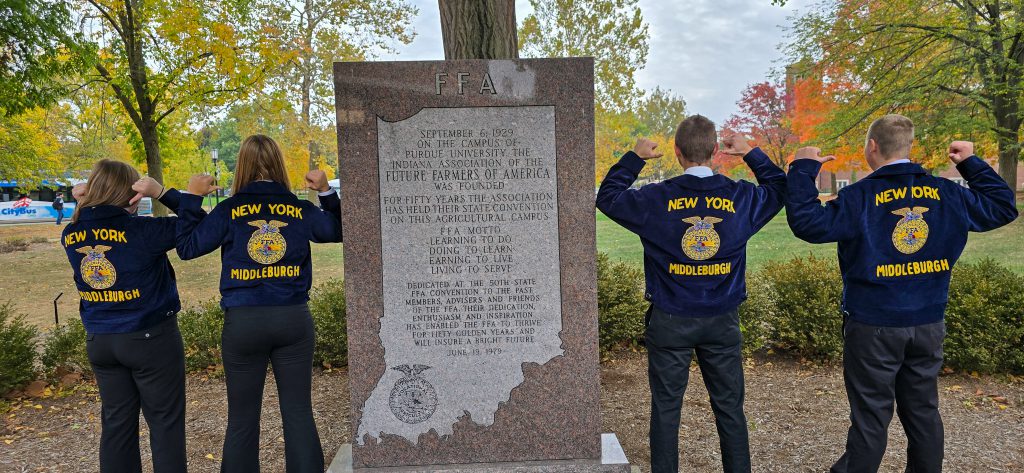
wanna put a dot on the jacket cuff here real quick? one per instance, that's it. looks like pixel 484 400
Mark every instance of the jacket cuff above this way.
pixel 190 200
pixel 807 166
pixel 632 162
pixel 330 200
pixel 971 166
pixel 754 155
pixel 171 198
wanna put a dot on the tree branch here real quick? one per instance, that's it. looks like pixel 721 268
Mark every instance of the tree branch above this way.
pixel 120 95
pixel 931 29
pixel 177 73
pixel 110 19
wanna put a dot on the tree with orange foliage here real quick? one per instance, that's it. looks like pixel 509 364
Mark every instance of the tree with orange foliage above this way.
pixel 813 102
pixel 954 67
pixel 762 116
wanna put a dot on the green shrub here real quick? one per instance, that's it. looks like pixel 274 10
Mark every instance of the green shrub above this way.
pixel 17 349
pixel 64 349
pixel 620 304
pixel 327 304
pixel 755 313
pixel 200 332
pixel 800 301
pixel 985 319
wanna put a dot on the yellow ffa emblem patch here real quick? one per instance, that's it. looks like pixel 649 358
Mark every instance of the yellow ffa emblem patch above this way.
pixel 96 269
pixel 700 241
pixel 267 245
pixel 911 231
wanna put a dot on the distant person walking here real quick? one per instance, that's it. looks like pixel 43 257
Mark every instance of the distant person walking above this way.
pixel 899 230
pixel 694 229
pixel 263 231
pixel 129 302
pixel 58 205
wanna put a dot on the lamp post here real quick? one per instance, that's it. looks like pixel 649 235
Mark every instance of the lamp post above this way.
pixel 216 176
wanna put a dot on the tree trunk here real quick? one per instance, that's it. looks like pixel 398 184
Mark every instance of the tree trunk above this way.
pixel 479 29
pixel 154 163
pixel 835 185
pixel 1009 154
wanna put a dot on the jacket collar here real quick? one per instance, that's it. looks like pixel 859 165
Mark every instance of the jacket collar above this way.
pixel 102 211
pixel 263 187
pixel 700 183
pixel 897 169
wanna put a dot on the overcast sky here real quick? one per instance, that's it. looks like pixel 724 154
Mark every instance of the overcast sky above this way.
pixel 706 51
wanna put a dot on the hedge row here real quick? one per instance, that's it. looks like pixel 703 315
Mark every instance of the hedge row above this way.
pixel 63 348
pixel 793 306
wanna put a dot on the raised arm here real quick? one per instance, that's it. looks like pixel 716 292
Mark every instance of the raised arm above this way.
pixel 196 233
pixel 325 221
pixel 159 231
pixel 989 203
pixel 808 219
pixel 770 192
pixel 627 207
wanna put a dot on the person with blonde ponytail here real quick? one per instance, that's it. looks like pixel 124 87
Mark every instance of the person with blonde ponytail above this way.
pixel 263 231
pixel 129 302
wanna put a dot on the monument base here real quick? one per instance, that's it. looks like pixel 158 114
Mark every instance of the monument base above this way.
pixel 613 460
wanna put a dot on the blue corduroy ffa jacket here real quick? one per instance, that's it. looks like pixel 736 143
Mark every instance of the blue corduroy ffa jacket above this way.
pixel 694 230
pixel 263 232
pixel 899 230
pixel 124 279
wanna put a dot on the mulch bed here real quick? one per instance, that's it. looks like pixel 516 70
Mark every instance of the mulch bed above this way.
pixel 797 412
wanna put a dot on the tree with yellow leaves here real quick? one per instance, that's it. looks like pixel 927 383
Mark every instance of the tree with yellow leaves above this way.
pixel 29 151
pixel 157 57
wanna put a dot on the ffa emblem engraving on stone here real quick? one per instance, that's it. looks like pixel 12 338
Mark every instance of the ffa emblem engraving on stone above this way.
pixel 700 241
pixel 97 271
pixel 413 399
pixel 267 245
pixel 911 232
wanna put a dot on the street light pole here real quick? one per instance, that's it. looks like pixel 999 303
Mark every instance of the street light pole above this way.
pixel 216 176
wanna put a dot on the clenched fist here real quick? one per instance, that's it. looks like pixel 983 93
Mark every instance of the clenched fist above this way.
pixel 645 149
pixel 202 184
pixel 735 144
pixel 811 152
pixel 316 180
pixel 960 150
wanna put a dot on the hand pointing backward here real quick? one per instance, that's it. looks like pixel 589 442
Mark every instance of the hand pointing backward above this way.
pixel 813 153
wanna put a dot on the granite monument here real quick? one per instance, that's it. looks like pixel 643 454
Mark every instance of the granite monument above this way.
pixel 467 196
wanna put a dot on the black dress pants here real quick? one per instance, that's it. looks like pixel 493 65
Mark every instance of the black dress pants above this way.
pixel 284 337
pixel 886 364
pixel 141 369
pixel 671 341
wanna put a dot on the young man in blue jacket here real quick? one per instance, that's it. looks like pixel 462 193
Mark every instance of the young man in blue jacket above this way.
pixel 900 231
pixel 694 229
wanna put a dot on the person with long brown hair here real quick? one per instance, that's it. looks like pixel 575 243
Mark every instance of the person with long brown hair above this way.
pixel 263 231
pixel 129 302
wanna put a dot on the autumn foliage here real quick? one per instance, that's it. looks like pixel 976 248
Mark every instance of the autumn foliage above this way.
pixel 813 102
pixel 762 115
pixel 780 117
